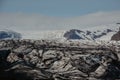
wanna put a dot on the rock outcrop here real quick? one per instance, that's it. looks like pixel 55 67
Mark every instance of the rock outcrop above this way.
pixel 49 60
pixel 116 37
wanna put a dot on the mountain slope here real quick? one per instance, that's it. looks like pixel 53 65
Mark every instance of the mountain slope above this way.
pixel 116 36
pixel 89 35
pixel 7 34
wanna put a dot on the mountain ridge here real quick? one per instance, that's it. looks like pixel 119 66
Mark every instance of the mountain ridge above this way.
pixel 103 32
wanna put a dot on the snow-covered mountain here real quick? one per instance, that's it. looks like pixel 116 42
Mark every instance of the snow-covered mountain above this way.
pixel 89 35
pixel 8 34
pixel 103 32
pixel 73 34
pixel 94 33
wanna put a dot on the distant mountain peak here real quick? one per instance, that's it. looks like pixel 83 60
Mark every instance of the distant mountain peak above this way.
pixel 9 34
pixel 87 35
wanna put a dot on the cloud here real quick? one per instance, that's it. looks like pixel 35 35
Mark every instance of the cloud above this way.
pixel 24 21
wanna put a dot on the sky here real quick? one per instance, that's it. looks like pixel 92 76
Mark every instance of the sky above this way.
pixel 57 14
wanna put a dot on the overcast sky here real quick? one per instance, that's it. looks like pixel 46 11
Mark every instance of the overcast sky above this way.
pixel 57 14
